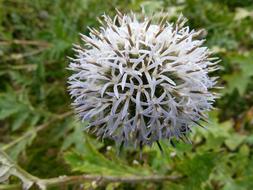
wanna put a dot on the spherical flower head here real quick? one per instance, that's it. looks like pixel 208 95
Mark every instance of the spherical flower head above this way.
pixel 138 82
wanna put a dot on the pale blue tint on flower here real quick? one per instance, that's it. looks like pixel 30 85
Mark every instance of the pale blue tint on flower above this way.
pixel 137 82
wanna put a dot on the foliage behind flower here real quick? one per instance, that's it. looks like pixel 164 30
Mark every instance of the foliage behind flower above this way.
pixel 137 82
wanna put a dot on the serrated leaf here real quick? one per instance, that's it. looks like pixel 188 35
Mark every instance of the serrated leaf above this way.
pixel 19 120
pixel 197 169
pixel 240 78
pixel 7 169
pixel 234 141
pixel 6 112
pixel 75 138
pixel 94 162
pixel 16 149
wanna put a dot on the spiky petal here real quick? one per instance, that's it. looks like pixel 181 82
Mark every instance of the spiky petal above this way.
pixel 137 82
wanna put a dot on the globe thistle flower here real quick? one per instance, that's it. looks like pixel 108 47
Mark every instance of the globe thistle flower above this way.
pixel 138 82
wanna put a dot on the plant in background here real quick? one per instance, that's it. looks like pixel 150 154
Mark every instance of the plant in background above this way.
pixel 137 82
pixel 35 37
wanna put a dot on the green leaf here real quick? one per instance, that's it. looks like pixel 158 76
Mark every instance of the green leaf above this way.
pixel 152 6
pixel 197 169
pixel 239 79
pixel 6 112
pixel 76 138
pixel 234 141
pixel 19 120
pixel 94 162
pixel 16 149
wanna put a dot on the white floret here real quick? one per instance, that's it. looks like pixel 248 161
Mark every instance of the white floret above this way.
pixel 137 82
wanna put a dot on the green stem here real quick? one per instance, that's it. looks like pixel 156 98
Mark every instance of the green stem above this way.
pixel 77 179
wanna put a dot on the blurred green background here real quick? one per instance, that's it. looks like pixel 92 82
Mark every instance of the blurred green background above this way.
pixel 38 129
